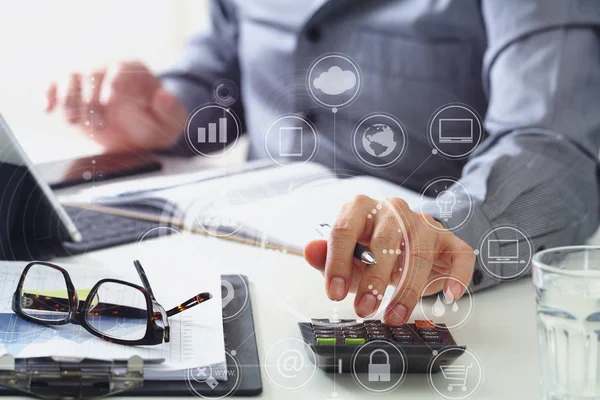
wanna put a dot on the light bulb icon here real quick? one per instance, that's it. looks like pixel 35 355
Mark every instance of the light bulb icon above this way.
pixel 446 201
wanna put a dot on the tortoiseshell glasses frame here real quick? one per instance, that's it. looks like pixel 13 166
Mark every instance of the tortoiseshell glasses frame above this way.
pixel 76 311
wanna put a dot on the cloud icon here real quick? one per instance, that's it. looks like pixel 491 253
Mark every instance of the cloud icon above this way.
pixel 335 81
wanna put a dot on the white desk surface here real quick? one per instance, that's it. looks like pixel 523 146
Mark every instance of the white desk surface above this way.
pixel 285 290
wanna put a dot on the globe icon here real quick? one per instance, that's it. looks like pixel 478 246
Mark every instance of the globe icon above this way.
pixel 379 140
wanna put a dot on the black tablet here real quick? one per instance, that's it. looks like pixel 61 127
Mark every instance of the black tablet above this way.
pixel 30 215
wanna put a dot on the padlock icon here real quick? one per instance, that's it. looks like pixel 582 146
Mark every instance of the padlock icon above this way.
pixel 379 372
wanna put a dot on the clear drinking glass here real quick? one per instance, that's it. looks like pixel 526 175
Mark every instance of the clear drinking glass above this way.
pixel 567 283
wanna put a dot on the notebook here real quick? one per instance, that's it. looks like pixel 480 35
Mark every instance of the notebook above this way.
pixel 279 206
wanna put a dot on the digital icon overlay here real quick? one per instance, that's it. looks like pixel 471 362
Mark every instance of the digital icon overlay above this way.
pixel 455 131
pixel 225 92
pixel 379 372
pixel 334 81
pixel 459 380
pixel 291 137
pixel 505 252
pixel 214 216
pixel 290 363
pixel 443 308
pixel 384 373
pixel 212 127
pixel 379 140
pixel 446 196
pixel 199 378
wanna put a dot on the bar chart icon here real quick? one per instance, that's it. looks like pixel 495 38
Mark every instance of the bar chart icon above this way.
pixel 213 135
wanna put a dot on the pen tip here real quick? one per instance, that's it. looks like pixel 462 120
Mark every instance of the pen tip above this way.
pixel 368 258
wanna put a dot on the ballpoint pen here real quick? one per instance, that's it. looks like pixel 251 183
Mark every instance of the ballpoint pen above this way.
pixel 361 253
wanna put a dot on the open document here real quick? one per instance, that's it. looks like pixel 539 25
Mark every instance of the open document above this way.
pixel 281 206
pixel 196 334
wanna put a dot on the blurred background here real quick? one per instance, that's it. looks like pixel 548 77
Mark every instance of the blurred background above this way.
pixel 45 40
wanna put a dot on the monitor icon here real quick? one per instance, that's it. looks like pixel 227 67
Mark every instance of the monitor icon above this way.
pixel 509 258
pixel 456 130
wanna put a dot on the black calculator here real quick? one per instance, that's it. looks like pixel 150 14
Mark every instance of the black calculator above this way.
pixel 419 347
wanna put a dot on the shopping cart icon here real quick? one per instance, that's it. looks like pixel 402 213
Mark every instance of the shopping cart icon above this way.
pixel 456 373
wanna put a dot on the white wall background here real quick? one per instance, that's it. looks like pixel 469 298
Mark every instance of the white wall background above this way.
pixel 42 40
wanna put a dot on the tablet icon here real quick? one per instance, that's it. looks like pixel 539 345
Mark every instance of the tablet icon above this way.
pixel 291 137
pixel 285 134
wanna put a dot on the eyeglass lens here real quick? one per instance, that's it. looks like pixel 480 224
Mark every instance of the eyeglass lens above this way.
pixel 118 311
pixel 44 294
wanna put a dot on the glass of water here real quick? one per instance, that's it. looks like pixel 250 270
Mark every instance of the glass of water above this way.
pixel 567 283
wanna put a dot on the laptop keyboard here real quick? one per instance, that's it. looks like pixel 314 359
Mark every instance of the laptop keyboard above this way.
pixel 100 230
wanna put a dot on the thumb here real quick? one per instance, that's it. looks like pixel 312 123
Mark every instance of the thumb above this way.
pixel 315 253
pixel 169 111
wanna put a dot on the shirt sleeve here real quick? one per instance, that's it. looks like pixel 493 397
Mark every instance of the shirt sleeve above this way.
pixel 537 170
pixel 208 58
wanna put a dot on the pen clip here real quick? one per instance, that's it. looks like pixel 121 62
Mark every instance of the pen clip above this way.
pixel 324 230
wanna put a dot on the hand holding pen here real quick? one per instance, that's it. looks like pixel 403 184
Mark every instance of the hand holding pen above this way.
pixel 410 249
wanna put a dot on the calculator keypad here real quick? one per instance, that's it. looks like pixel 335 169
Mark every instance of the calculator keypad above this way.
pixel 352 333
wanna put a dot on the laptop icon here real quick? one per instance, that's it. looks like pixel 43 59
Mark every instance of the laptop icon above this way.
pixel 509 258
pixel 455 130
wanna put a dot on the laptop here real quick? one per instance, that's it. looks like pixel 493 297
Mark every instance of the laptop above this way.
pixel 35 226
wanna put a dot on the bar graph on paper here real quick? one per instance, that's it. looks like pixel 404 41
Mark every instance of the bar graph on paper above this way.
pixel 217 133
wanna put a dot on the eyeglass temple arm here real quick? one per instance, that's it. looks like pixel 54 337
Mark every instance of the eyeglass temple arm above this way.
pixel 143 277
pixel 194 301
pixel 186 305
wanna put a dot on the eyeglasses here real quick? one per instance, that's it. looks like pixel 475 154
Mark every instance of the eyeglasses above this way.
pixel 114 310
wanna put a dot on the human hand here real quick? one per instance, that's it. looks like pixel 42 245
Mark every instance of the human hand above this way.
pixel 430 252
pixel 123 107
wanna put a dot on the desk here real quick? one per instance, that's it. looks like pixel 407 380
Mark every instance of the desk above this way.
pixel 285 290
pixel 501 330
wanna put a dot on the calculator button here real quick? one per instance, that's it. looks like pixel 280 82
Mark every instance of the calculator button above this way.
pixel 355 341
pixel 378 332
pixel 351 336
pixel 424 324
pixel 401 329
pixel 327 341
pixel 354 328
pixel 378 337
pixel 377 326
pixel 324 332
pixel 403 339
pixel 428 332
pixel 432 339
